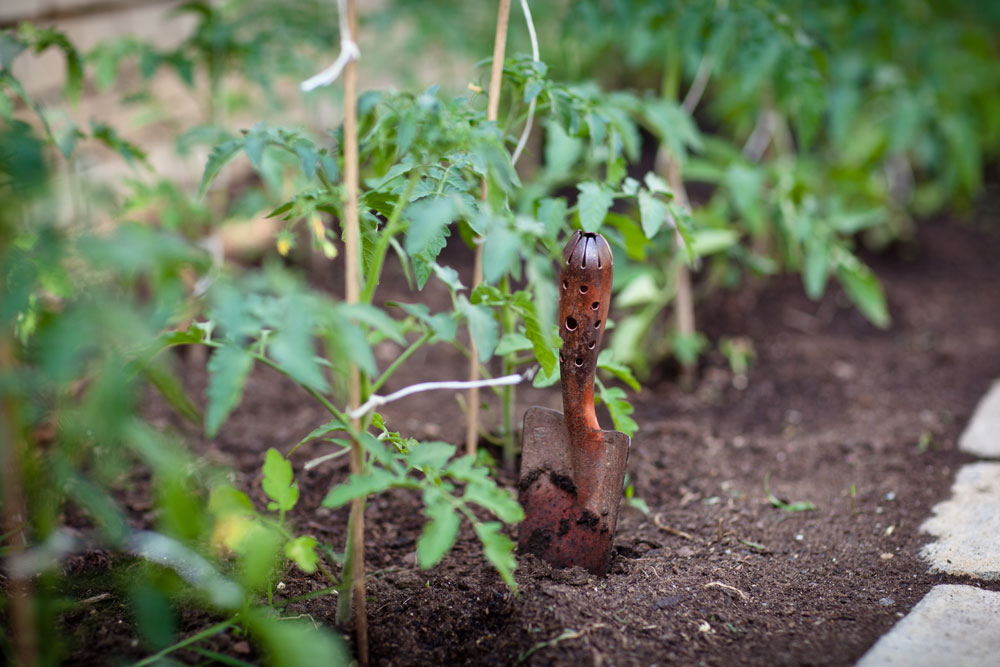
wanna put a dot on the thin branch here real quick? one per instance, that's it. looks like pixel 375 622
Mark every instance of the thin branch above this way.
pixel 760 138
pixel 312 463
pixel 349 52
pixel 535 54
pixel 375 400
pixel 697 88
pixel 388 372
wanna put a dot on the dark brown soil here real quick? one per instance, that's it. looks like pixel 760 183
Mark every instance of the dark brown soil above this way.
pixel 860 422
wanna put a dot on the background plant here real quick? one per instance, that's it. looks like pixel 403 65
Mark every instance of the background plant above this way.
pixel 817 140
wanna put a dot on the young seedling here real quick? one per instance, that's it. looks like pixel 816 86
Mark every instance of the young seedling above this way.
pixel 784 505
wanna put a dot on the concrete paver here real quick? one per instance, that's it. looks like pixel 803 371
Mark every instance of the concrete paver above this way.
pixel 982 436
pixel 967 525
pixel 952 625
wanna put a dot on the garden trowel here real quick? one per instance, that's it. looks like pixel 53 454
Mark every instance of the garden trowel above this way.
pixel 572 471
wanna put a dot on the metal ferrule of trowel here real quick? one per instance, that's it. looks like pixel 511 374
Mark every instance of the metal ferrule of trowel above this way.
pixel 572 471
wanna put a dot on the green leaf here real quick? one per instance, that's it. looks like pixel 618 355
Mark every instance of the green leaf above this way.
pixel 863 289
pixel 290 642
pixel 618 407
pixel 277 482
pixel 374 317
pixel 638 503
pixel 172 389
pixel 108 136
pixel 375 480
pixel 433 455
pixel 500 251
pixel 857 221
pixel 499 550
pixel 501 502
pixel 682 222
pixel 657 185
pixel 561 151
pixel 380 450
pixel 440 532
pixel 448 276
pixel 632 235
pixel 442 324
pixel 706 242
pixel 66 138
pixel 593 204
pixel 330 427
pixel 618 369
pixel 292 347
pixel 10 48
pixel 512 342
pixel 255 143
pixel 302 550
pixel 428 219
pixel 687 347
pixel 552 214
pixel 672 124
pixel 543 348
pixel 652 213
pixel 816 268
pixel 784 505
pixel 220 156
pixel 348 343
pixel 488 295
pixel 228 369
pixel 227 500
pixel 543 379
pixel 640 290
pixel 482 327
pixel 745 185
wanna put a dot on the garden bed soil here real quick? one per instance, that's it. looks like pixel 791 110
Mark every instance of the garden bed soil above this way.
pixel 861 423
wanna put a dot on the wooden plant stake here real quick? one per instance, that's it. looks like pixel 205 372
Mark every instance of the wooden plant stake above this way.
pixel 492 114
pixel 352 279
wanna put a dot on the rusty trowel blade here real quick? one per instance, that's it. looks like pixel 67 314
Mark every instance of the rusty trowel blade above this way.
pixel 569 521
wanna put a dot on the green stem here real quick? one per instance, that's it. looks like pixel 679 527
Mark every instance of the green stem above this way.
pixel 390 229
pixel 204 634
pixel 407 353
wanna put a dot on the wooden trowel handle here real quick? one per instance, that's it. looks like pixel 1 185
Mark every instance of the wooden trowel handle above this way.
pixel 584 297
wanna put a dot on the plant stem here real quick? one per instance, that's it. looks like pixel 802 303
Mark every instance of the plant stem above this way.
pixel 197 637
pixel 406 354
pixel 352 267
pixel 492 113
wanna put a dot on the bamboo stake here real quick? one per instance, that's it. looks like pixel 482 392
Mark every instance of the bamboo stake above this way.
pixel 684 299
pixel 669 164
pixel 492 114
pixel 352 278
